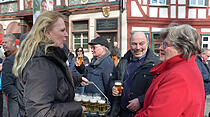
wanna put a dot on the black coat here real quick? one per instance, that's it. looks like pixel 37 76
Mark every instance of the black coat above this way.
pixel 46 87
pixel 9 86
pixel 141 80
pixel 8 78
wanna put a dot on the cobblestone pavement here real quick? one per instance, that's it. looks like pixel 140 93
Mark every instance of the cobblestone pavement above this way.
pixel 207 106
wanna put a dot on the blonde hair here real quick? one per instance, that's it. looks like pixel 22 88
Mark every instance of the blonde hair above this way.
pixel 36 36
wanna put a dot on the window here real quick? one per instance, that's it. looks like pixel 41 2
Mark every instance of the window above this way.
pixel 158 2
pixel 205 45
pixel 205 41
pixel 80 34
pixel 197 2
pixel 80 40
pixel 156 42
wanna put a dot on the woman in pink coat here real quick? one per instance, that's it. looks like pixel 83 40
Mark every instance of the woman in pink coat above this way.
pixel 177 89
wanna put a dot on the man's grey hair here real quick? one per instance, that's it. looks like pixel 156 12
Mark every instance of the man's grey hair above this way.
pixel 205 50
pixel 183 37
pixel 11 37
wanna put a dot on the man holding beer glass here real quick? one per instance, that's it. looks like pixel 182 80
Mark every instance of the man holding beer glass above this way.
pixel 133 74
pixel 99 69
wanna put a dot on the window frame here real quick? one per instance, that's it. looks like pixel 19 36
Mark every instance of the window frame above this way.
pixel 81 32
pixel 205 42
pixel 158 3
pixel 196 3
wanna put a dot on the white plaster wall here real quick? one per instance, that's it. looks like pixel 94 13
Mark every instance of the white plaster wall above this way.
pixel 146 29
pixel 135 10
pixel 124 33
pixel 163 13
pixel 144 9
pixel 192 13
pixel 173 1
pixel 92 18
pixel 6 23
pixel 202 13
pixel 153 12
pixel 144 2
pixel 205 30
pixel 157 29
pixel 58 2
pixel 66 2
pixel 209 12
pixel 139 1
pixel 181 1
pixel 173 11
pixel 181 11
pixel 21 5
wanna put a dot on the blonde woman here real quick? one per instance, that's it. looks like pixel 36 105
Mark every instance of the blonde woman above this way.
pixel 46 86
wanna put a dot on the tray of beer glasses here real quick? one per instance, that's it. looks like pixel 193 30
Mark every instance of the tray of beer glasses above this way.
pixel 95 104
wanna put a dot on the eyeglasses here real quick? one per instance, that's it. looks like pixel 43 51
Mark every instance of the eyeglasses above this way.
pixel 79 51
pixel 166 44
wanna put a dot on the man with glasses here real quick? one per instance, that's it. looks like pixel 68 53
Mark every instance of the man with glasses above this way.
pixel 133 70
pixel 100 68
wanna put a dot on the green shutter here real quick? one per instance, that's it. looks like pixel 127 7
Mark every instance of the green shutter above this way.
pixel 205 2
pixel 166 2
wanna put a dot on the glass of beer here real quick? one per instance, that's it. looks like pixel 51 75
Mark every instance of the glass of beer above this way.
pixel 118 85
pixel 93 106
pixel 86 103
pixel 102 106
pixel 78 99
pixel 80 59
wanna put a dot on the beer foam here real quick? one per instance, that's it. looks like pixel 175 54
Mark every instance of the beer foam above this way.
pixel 85 99
pixel 92 100
pixel 101 101
pixel 118 83
pixel 77 98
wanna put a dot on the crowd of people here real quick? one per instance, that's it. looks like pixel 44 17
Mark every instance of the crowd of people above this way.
pixel 42 76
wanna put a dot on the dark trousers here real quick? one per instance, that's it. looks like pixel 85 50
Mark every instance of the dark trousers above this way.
pixel 1 104
pixel 124 113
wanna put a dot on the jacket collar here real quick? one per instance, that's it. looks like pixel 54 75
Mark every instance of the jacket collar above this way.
pixel 100 59
pixel 149 58
pixel 170 63
pixel 9 53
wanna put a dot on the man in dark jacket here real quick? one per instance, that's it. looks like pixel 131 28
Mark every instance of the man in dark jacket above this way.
pixel 133 70
pixel 8 78
pixel 100 68
pixel 205 72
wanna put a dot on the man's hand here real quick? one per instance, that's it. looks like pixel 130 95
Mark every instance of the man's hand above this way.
pixel 133 105
pixel 84 81
pixel 115 92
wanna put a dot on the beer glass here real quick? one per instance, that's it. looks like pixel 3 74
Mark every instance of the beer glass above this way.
pixel 101 106
pixel 78 99
pixel 85 102
pixel 118 85
pixel 93 106
pixel 80 59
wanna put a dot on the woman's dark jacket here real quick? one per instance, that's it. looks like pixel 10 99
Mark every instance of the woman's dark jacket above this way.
pixel 46 87
pixel 140 82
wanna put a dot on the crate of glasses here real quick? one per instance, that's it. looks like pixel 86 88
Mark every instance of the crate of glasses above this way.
pixel 94 103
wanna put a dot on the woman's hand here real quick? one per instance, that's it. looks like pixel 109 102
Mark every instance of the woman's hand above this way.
pixel 83 109
pixel 84 81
